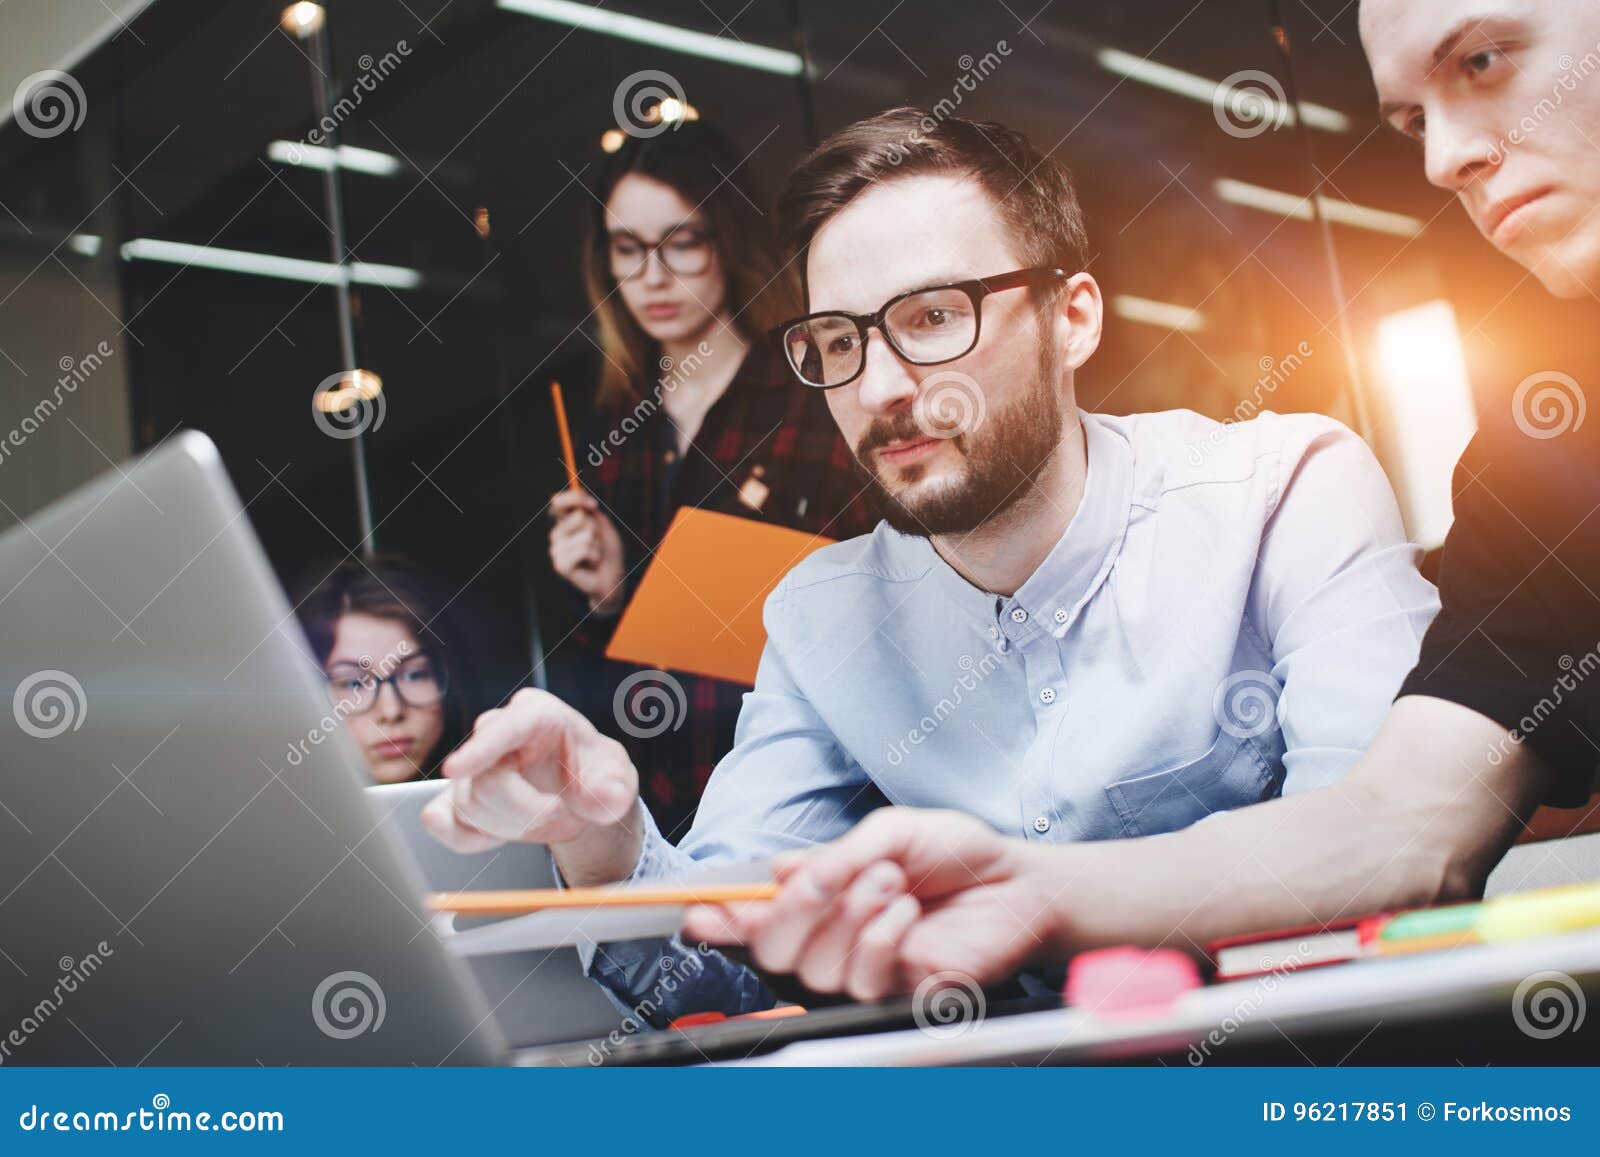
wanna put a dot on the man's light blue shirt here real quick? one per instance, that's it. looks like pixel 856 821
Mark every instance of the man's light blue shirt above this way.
pixel 1227 618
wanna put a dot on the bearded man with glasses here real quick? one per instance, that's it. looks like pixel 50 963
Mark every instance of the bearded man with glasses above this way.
pixel 1070 627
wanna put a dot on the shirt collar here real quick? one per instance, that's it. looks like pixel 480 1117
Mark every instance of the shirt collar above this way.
pixel 1053 595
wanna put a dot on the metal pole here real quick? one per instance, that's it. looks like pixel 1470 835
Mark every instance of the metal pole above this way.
pixel 808 104
pixel 1358 391
pixel 333 199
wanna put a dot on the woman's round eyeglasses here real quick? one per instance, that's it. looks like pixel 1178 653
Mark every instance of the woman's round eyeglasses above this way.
pixel 418 682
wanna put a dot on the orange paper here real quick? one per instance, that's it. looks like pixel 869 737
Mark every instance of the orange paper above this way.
pixel 698 607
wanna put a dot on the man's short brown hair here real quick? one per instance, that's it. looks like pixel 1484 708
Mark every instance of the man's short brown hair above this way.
pixel 1032 193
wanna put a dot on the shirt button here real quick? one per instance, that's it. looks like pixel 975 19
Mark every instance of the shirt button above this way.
pixel 1041 824
pixel 1061 614
pixel 1047 695
pixel 1018 615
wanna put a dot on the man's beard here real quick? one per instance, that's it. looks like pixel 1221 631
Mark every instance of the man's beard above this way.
pixel 1003 459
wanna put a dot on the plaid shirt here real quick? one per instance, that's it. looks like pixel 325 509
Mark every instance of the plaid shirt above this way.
pixel 766 450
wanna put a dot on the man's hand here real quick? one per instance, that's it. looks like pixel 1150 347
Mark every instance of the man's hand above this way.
pixel 1421 819
pixel 586 550
pixel 904 895
pixel 535 770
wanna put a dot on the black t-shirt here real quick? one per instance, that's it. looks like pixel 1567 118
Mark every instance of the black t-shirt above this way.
pixel 1518 636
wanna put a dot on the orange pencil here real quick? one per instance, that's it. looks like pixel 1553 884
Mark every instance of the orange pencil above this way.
pixel 522 901
pixel 566 436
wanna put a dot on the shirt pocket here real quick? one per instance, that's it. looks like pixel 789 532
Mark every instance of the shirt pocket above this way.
pixel 1233 773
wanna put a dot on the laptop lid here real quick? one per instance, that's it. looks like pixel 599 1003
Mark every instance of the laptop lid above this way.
pixel 540 996
pixel 189 871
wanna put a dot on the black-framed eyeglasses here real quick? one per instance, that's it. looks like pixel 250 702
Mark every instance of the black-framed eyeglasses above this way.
pixel 925 327
pixel 685 251
pixel 419 682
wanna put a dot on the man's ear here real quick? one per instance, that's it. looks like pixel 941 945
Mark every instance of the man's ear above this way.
pixel 1079 314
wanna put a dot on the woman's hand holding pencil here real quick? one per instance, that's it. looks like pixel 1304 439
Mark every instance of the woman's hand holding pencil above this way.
pixel 586 550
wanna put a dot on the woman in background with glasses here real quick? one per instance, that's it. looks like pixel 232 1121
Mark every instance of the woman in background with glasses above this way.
pixel 695 408
pixel 377 633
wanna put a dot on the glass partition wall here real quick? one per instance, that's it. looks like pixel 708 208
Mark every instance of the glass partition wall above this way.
pixel 342 241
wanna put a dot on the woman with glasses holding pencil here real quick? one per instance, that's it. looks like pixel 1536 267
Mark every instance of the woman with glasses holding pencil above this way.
pixel 694 408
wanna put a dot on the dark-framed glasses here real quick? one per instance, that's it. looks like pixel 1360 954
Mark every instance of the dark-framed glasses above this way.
pixel 685 251
pixel 419 682
pixel 924 327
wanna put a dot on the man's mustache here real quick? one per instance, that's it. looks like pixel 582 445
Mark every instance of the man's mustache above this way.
pixel 900 426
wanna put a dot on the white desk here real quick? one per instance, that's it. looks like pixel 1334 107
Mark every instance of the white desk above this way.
pixel 1351 996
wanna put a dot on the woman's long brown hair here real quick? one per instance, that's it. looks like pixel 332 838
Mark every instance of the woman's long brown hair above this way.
pixel 705 169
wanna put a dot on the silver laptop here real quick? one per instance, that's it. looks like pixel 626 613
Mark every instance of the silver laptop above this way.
pixel 190 872
pixel 538 997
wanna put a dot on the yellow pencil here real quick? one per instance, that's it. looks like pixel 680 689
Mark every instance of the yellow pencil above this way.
pixel 523 901
pixel 566 436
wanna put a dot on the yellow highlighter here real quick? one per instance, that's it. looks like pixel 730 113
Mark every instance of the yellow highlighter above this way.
pixel 1545 912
